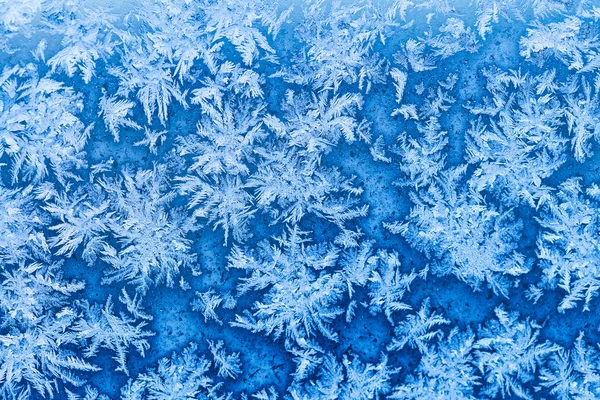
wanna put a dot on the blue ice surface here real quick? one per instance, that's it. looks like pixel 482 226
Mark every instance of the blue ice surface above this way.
pixel 266 361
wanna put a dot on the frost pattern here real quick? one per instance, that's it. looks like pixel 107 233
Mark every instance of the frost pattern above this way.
pixel 341 199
